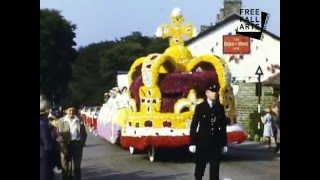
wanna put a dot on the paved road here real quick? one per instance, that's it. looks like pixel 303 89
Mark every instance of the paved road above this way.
pixel 103 161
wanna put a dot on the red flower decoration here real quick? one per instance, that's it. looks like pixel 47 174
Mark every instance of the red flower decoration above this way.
pixel 148 123
pixel 167 124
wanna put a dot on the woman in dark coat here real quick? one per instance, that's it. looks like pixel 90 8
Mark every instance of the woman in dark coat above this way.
pixel 46 142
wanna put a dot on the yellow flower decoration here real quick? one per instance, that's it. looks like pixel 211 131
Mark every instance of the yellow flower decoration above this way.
pixel 216 62
pixel 132 105
pixel 181 55
pixel 133 68
pixel 176 32
pixel 190 102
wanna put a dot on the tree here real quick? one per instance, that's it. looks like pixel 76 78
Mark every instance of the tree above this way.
pixel 126 51
pixel 157 45
pixel 56 53
pixel 86 86
pixel 95 69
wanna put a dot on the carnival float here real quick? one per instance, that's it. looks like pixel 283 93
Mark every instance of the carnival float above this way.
pixel 113 115
pixel 165 88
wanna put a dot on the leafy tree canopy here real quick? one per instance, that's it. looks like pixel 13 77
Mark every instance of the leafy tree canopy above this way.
pixel 56 53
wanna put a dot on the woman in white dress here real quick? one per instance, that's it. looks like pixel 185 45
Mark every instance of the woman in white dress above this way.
pixel 268 125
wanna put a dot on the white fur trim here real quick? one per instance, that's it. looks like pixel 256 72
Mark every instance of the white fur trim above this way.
pixel 234 128
pixel 139 132
pixel 176 12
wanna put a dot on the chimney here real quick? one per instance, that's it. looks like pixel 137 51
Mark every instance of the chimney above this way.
pixel 221 15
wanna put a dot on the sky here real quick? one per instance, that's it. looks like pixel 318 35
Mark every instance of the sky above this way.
pixel 101 20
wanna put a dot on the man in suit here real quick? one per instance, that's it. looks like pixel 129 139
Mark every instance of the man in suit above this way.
pixel 208 134
pixel 73 137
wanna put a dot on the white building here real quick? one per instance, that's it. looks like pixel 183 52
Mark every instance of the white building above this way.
pixel 244 55
pixel 122 79
pixel 243 65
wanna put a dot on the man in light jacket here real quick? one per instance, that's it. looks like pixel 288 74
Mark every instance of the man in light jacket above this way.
pixel 74 136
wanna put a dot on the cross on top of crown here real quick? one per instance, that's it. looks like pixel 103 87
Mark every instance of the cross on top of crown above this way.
pixel 177 31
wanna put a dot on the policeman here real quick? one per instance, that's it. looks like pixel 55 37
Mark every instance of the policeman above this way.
pixel 208 134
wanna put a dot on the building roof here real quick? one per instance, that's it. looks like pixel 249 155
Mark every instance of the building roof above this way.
pixel 223 22
pixel 273 80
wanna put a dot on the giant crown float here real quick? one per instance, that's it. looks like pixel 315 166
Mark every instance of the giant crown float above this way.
pixel 165 88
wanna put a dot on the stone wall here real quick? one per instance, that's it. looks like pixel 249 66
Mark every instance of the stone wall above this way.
pixel 246 102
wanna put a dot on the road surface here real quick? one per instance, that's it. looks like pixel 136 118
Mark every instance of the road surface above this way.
pixel 103 161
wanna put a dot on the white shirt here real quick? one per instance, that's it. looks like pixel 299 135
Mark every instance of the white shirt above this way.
pixel 209 102
pixel 74 124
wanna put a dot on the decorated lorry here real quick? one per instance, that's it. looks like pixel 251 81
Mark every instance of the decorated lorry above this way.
pixel 164 89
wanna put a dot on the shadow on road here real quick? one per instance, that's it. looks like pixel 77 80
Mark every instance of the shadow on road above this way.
pixel 181 155
pixel 94 145
pixel 249 152
pixel 99 173
pixel 243 152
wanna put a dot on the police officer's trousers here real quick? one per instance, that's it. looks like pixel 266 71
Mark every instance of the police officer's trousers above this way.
pixel 210 155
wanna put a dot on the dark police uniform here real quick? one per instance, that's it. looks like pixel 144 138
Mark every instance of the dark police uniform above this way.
pixel 210 138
